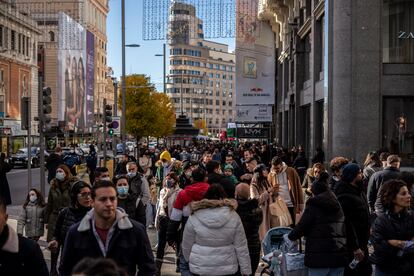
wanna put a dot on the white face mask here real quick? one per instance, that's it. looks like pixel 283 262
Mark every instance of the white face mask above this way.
pixel 60 176
pixel 106 178
pixel 33 198
pixel 131 174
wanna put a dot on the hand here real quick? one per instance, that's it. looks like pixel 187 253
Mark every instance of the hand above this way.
pixel 359 254
pixel 46 226
pixel 396 243
pixel 53 244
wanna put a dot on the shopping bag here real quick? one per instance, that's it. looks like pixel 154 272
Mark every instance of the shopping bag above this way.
pixel 279 213
pixel 293 261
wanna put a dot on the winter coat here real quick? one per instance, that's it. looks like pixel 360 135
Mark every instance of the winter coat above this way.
pixel 323 226
pixel 357 218
pixel 139 191
pixel 66 218
pixel 214 242
pixel 264 199
pixel 165 204
pixel 375 183
pixel 128 205
pixel 21 256
pixel 128 245
pixel 295 188
pixel 52 162
pixel 4 184
pixel 307 183
pixel 225 182
pixel 59 198
pixel 32 220
pixel 391 226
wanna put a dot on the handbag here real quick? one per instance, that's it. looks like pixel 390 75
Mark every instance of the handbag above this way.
pixel 279 213
pixel 293 263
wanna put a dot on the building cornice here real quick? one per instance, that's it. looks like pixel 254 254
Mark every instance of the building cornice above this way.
pixel 306 28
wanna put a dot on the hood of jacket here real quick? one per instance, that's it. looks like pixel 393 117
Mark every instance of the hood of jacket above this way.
pixel 326 201
pixel 193 190
pixel 213 213
pixel 346 188
pixel 121 220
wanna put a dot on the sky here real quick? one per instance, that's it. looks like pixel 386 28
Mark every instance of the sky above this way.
pixel 140 60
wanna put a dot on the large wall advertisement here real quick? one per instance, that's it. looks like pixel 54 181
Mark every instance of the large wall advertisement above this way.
pixel 74 83
pixel 90 77
pixel 255 57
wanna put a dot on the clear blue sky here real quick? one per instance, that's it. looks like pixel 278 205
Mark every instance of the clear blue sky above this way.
pixel 140 60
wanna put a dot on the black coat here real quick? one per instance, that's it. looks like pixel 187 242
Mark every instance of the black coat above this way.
pixel 4 184
pixel 323 225
pixel 251 216
pixel 28 260
pixel 392 226
pixel 67 217
pixel 128 247
pixel 376 181
pixel 357 218
pixel 226 183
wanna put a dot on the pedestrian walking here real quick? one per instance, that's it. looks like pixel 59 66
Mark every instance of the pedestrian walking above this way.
pixel 18 255
pixel 71 160
pixel 214 242
pixel 336 166
pixel 311 175
pixel 91 163
pixel 33 216
pixel 52 162
pixel 4 184
pixel 139 190
pixel 106 231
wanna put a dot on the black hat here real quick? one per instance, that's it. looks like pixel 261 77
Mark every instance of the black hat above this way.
pixel 187 164
pixel 350 172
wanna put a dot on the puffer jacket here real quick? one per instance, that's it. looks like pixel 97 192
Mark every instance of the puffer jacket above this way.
pixel 66 218
pixel 32 220
pixel 391 226
pixel 214 241
pixel 323 225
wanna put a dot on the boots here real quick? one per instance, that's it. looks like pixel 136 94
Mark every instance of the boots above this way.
pixel 53 262
pixel 158 265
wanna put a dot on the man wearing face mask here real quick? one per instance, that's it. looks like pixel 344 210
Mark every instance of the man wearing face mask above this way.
pixel 101 173
pixel 139 190
pixel 125 200
pixel 164 166
pixel 185 177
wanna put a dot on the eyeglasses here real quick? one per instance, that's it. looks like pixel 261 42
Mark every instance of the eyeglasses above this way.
pixel 85 195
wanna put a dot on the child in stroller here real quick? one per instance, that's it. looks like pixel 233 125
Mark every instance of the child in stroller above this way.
pixel 272 246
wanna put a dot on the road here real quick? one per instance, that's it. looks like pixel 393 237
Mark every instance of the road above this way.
pixel 17 179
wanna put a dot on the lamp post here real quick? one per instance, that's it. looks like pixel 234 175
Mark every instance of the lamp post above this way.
pixel 164 66
pixel 123 121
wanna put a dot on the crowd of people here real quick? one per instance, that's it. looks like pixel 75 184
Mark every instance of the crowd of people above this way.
pixel 213 204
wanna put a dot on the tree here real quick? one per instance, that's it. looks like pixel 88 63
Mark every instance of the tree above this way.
pixel 148 113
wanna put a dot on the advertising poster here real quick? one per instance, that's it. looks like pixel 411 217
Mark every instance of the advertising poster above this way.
pixel 72 74
pixel 253 113
pixel 90 77
pixel 255 57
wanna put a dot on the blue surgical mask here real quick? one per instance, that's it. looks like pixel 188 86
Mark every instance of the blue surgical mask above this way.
pixel 122 190
pixel 60 176
pixel 131 174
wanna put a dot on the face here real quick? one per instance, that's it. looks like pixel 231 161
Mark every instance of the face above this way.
pixel 317 172
pixel 251 166
pixel 122 182
pixel 359 177
pixel 247 155
pixel 32 193
pixel 132 168
pixel 207 158
pixel 277 168
pixel 229 160
pixel 3 220
pixel 265 173
pixel 105 203
pixel 228 172
pixel 403 198
pixel 103 176
pixel 84 197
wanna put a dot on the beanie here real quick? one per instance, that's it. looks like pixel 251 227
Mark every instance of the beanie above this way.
pixel 165 155
pixel 350 172
pixel 228 167
pixel 320 184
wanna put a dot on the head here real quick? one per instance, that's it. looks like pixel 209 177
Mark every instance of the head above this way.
pixel 125 157
pixel 80 195
pixel 336 165
pixel 317 169
pixel 261 170
pixel 320 184
pixel 395 196
pixel 171 180
pixel 198 175
pixel 3 214
pixel 213 167
pixel 165 158
pixel 277 164
pixel 58 150
pixel 251 164
pixel 248 154
pixel 91 148
pixel 242 191
pixel 393 161
pixel 34 196
pixel 97 266
pixel 102 173
pixel 63 173
pixel 122 186
pixel 228 170
pixel 215 191
pixel 229 159
pixel 132 169
pixel 207 157
pixel 188 167
pixel 372 159
pixel 351 173
pixel 383 157
pixel 104 200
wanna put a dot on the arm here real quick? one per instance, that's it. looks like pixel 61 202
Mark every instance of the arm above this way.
pixel 58 226
pixel 242 251
pixel 21 222
pixel 188 239
pixel 306 222
pixel 36 262
pixel 372 193
pixel 68 260
pixel 145 191
pixel 351 237
pixel 380 239
pixel 145 257
pixel 49 206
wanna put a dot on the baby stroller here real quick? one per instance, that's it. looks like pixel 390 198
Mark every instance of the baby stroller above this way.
pixel 271 242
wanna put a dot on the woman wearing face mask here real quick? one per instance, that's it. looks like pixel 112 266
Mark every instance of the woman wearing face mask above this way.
pixel 80 204
pixel 58 199
pixel 32 217
pixel 145 162
pixel 168 194
pixel 125 200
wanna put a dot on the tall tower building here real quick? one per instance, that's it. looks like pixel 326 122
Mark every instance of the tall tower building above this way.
pixel 201 79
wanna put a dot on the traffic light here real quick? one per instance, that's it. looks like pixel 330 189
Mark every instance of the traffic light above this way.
pixel 110 132
pixel 108 113
pixel 46 104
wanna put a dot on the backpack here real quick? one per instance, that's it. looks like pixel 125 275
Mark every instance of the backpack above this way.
pixel 71 160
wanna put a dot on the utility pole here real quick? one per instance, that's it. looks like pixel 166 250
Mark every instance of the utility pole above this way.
pixel 115 81
pixel 29 145
pixel 104 133
pixel 164 68
pixel 123 118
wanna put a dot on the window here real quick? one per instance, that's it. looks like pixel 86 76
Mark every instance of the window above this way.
pixel 1 35
pixel 19 43
pixel 217 76
pixel 398 31
pixel 51 36
pixel 176 51
pixel 217 102
pixel 13 40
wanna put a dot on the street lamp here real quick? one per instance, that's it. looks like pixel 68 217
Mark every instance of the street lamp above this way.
pixel 164 66
pixel 123 121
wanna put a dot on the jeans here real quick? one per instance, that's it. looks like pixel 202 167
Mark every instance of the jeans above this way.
pixel 338 271
pixel 162 237
pixel 184 266
pixel 150 214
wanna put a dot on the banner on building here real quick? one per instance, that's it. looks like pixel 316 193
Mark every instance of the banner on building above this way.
pixel 253 113
pixel 72 84
pixel 253 133
pixel 90 78
pixel 255 59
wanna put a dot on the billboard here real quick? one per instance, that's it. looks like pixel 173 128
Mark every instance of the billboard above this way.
pixel 72 74
pixel 90 78
pixel 255 58
pixel 253 113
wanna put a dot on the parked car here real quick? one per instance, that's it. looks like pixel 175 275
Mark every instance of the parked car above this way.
pixel 78 151
pixel 21 157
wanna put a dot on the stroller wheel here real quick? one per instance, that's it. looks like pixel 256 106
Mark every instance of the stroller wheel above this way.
pixel 266 271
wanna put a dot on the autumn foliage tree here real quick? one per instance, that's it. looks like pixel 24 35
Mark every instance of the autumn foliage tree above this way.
pixel 148 113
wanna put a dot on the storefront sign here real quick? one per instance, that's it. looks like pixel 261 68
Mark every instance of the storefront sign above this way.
pixel 405 35
pixel 5 131
pixel 253 113
pixel 253 133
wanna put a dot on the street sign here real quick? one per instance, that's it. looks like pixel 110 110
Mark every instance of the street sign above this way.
pixel 253 133
pixel 5 131
pixel 116 123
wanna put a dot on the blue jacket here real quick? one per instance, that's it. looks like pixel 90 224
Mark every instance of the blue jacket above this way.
pixel 128 245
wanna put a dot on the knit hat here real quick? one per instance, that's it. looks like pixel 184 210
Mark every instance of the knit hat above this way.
pixel 187 164
pixel 165 155
pixel 350 172
pixel 320 184
pixel 242 191
pixel 228 167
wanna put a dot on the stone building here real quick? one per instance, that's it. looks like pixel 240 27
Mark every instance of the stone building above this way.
pixel 345 75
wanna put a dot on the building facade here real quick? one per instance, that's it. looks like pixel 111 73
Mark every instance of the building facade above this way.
pixel 345 75
pixel 18 74
pixel 201 72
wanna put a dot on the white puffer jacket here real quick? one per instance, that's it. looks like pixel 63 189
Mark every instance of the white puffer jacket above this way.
pixel 214 241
